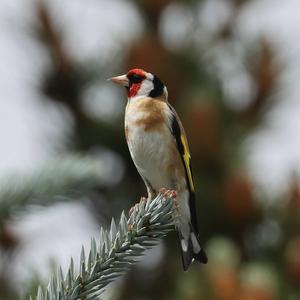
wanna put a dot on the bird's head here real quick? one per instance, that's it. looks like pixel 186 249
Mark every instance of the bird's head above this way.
pixel 140 83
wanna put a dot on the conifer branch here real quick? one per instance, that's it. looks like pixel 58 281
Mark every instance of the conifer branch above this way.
pixel 116 252
pixel 62 177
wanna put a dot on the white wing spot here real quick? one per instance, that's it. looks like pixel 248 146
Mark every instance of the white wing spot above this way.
pixel 184 245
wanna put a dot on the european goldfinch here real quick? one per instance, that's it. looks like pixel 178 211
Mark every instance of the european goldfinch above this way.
pixel 160 152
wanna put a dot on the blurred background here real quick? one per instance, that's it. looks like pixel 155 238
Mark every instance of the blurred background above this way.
pixel 232 69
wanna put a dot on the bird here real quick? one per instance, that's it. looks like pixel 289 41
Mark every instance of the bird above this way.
pixel 159 149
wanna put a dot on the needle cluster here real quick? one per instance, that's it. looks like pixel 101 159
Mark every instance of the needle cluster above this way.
pixel 117 251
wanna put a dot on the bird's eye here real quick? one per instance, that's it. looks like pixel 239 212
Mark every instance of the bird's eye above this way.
pixel 135 78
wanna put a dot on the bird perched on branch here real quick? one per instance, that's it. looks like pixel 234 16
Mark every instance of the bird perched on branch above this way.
pixel 160 152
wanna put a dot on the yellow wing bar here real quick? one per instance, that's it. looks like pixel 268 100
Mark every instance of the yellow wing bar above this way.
pixel 182 146
pixel 187 161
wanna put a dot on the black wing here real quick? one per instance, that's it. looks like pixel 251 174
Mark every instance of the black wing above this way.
pixel 182 146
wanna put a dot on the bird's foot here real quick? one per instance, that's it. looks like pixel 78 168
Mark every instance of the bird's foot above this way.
pixel 168 193
pixel 171 194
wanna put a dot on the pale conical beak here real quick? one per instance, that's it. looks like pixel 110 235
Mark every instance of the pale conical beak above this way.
pixel 122 79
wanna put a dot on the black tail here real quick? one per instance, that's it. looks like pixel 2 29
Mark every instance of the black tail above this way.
pixel 191 250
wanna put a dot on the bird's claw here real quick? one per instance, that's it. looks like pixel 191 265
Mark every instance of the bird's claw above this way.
pixel 168 193
pixel 171 194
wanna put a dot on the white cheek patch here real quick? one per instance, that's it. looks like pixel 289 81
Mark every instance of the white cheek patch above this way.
pixel 146 88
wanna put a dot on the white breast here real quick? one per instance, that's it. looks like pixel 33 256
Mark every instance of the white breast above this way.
pixel 157 159
pixel 150 150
